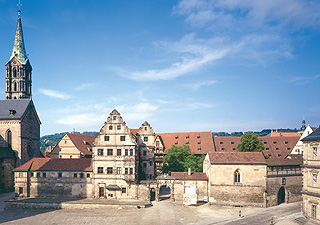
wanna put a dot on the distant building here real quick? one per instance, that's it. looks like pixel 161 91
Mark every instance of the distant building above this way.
pixel 298 149
pixel 276 144
pixel 73 146
pixel 311 173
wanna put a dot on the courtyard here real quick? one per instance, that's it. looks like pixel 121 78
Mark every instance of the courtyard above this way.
pixel 162 212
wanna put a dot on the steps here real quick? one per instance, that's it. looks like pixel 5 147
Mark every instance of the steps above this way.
pixel 302 220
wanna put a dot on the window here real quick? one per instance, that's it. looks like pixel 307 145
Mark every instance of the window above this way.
pixel 221 142
pixel 110 152
pixel 44 175
pixel 145 128
pixel 222 149
pixel 145 139
pixel 187 137
pixel 118 170
pixel 126 171
pixel 31 174
pixel 38 174
pixel 150 163
pixel 277 149
pixel 122 138
pixel 233 149
pixel 131 151
pixel 110 127
pixel 237 176
pixel 232 142
pixel 88 175
pixel 106 138
pixel 274 142
pixel 288 149
pixel 199 149
pixel 176 137
pixel 265 142
pixel 314 180
pixel 114 117
pixel 144 152
pixel 284 180
pixel 100 169
pixel 126 152
pixel 70 156
pixel 20 190
pixel 315 153
pixel 279 155
pixel 65 142
pixel 75 175
pixel 123 190
pixel 144 165
pixel 119 127
pixel 81 175
pixel 9 137
pixel 59 175
pixel 118 151
pixel 267 149
pixel 109 170
pixel 131 170
pixel 314 211
pixel 100 151
pixel 285 142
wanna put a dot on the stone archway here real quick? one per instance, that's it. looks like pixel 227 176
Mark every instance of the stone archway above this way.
pixel 164 192
pixel 281 195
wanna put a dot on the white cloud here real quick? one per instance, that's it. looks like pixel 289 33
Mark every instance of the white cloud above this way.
pixel 83 120
pixel 54 94
pixel 255 12
pixel 138 113
pixel 197 85
pixel 85 86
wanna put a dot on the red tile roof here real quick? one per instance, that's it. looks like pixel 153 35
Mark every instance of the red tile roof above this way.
pixel 185 176
pixel 199 142
pixel 237 158
pixel 276 146
pixel 134 131
pixel 83 142
pixel 50 164
pixel 290 160
pixel 284 134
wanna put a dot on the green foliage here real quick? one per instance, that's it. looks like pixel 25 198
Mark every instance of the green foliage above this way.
pixel 179 159
pixel 250 143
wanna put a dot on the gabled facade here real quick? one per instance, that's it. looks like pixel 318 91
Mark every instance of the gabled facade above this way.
pixel 115 158
pixel 311 174
pixel 298 149
pixel 73 146
pixel 20 129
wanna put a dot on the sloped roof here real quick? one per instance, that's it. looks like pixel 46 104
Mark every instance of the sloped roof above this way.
pixel 82 142
pixel 237 158
pixel 18 105
pixel 134 131
pixel 185 176
pixel 199 142
pixel 283 134
pixel 6 152
pixel 291 160
pixel 50 164
pixel 275 146
pixel 315 135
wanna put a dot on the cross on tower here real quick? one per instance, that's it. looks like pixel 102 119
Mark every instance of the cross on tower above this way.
pixel 19 5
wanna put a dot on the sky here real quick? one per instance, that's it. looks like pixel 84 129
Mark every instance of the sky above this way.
pixel 188 65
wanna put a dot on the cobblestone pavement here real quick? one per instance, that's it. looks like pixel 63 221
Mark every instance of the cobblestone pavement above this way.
pixel 163 212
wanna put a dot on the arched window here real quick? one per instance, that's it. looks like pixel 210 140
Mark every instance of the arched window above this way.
pixel 9 138
pixel 14 72
pixel 14 86
pixel 237 176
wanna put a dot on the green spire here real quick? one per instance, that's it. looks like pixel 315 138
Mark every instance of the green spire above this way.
pixel 18 48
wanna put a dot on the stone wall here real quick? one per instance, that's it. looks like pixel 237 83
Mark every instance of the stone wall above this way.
pixel 250 190
pixel 6 174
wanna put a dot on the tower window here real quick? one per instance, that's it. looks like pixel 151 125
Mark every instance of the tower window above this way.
pixel 237 177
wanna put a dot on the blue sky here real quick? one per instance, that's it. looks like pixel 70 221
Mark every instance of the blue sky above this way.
pixel 189 65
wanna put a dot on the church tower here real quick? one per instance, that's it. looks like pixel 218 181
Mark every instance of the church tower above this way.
pixel 18 77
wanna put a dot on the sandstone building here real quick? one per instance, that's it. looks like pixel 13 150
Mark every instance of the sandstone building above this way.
pixel 73 146
pixel 19 121
pixel 311 171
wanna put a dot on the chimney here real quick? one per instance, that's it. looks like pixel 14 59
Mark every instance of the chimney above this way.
pixel 189 171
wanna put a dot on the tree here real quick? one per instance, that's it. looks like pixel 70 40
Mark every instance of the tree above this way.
pixel 179 159
pixel 251 143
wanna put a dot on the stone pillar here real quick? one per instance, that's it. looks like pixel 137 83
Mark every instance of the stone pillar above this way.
pixel 172 193
pixel 157 193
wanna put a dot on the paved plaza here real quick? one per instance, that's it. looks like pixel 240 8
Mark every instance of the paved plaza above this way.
pixel 163 212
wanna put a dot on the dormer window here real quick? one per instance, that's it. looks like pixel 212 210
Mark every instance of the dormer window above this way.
pixel 12 112
pixel 232 142
pixel 187 137
pixel 176 137
pixel 114 117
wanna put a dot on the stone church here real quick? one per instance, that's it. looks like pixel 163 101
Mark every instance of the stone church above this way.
pixel 19 121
